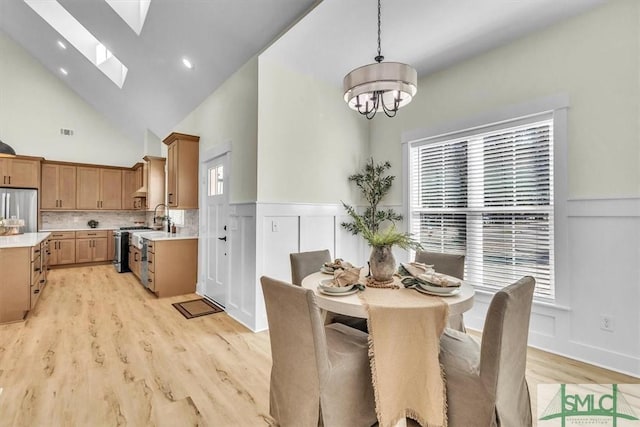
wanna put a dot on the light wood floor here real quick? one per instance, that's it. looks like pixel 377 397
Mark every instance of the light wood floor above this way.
pixel 100 351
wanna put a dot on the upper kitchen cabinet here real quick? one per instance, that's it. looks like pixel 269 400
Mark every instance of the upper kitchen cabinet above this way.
pixel 151 193
pixel 98 188
pixel 20 172
pixel 182 170
pixel 131 181
pixel 58 187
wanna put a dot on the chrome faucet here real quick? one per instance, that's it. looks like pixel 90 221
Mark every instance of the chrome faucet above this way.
pixel 166 216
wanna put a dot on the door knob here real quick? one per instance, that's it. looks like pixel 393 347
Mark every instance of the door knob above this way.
pixel 223 238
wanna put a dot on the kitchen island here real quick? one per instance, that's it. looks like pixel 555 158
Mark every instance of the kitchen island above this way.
pixel 24 260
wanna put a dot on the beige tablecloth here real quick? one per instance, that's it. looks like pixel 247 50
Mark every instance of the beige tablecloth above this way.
pixel 404 342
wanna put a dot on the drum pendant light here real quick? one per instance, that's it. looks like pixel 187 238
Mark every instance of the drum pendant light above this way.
pixel 386 86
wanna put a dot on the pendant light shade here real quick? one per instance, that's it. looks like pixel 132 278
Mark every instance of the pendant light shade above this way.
pixel 6 150
pixel 381 86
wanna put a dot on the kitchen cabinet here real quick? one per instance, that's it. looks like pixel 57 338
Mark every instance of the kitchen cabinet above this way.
pixel 63 248
pixel 182 170
pixel 58 187
pixel 91 246
pixel 135 260
pixel 111 245
pixel 151 193
pixel 131 181
pixel 172 266
pixel 15 283
pixel 20 172
pixel 98 188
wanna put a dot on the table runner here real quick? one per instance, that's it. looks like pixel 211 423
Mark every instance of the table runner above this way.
pixel 404 342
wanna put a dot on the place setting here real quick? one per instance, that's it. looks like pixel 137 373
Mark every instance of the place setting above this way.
pixel 345 279
pixel 424 279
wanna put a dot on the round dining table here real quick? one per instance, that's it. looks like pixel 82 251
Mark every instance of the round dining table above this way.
pixel 351 305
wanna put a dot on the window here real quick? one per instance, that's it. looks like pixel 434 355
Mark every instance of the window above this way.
pixel 216 181
pixel 488 193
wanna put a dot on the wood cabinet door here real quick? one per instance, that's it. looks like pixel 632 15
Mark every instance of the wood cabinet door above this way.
pixel 84 250
pixel 111 189
pixel 100 249
pixel 67 187
pixel 24 173
pixel 172 175
pixel 49 189
pixel 87 188
pixel 67 251
pixel 111 246
pixel 53 249
pixel 129 185
pixel 15 283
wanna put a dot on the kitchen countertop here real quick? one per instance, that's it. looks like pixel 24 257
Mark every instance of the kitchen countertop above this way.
pixel 81 229
pixel 163 235
pixel 22 240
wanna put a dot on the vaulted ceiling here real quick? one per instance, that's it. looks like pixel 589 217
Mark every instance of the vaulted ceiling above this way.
pixel 218 36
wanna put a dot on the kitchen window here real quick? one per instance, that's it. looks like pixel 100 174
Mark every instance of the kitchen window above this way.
pixel 487 193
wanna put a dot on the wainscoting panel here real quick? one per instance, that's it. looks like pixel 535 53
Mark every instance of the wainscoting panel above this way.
pixel 317 233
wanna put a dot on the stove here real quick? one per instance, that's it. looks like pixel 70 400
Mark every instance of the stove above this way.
pixel 135 227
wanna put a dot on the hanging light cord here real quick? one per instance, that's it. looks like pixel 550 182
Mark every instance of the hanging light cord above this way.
pixel 379 58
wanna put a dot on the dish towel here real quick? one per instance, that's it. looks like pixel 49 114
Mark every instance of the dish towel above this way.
pixel 404 343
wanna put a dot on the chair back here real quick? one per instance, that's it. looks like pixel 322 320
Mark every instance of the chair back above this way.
pixel 297 335
pixel 305 263
pixel 503 353
pixel 450 264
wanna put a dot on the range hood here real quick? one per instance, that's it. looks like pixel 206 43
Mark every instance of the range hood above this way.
pixel 140 192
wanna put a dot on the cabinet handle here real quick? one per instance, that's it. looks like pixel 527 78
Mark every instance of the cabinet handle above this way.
pixel 36 269
pixel 37 251
pixel 91 234
pixel 9 179
pixel 4 179
pixel 149 280
pixel 42 281
pixel 37 291
pixel 60 203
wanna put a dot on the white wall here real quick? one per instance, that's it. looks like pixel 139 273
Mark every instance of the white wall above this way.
pixel 230 114
pixel 593 60
pixel 308 140
pixel 34 105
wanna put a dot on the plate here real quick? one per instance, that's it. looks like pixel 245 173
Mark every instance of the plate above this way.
pixel 456 291
pixel 338 294
pixel 324 286
pixel 438 289
pixel 326 271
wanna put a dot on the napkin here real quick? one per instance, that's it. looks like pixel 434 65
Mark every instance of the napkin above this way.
pixel 338 264
pixel 415 273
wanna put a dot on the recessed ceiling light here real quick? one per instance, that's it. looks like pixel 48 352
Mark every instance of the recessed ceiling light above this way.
pixel 187 63
pixel 64 72
pixel 61 45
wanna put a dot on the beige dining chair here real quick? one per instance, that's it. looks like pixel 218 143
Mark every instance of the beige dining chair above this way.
pixel 451 265
pixel 486 383
pixel 320 374
pixel 305 263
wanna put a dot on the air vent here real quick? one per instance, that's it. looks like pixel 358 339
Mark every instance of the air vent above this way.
pixel 66 132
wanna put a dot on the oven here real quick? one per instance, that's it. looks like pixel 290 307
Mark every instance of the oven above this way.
pixel 121 248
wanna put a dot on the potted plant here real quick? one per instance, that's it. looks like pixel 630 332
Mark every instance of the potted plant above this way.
pixel 374 184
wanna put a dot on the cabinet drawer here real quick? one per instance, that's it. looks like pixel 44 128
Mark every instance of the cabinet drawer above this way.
pixel 35 252
pixel 59 235
pixel 36 270
pixel 151 260
pixel 91 234
pixel 150 246
pixel 151 278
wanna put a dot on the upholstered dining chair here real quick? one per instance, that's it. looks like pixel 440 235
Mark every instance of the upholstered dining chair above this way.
pixel 320 374
pixel 449 264
pixel 305 263
pixel 486 383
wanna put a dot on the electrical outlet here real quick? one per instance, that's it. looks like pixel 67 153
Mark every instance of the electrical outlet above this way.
pixel 606 323
pixel 275 226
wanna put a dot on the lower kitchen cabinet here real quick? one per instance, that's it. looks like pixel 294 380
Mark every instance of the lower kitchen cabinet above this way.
pixel 172 267
pixel 91 246
pixel 62 248
pixel 134 260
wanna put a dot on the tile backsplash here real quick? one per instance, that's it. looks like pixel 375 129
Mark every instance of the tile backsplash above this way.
pixel 73 220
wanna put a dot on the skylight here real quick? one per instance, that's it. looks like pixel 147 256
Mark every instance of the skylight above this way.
pixel 76 34
pixel 133 12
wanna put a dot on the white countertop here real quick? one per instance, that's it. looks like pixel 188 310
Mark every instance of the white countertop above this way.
pixel 81 229
pixel 22 240
pixel 163 235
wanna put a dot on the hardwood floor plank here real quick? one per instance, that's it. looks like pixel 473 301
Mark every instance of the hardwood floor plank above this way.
pixel 99 350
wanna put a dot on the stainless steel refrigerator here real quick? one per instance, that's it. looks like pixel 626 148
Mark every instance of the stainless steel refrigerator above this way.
pixel 20 204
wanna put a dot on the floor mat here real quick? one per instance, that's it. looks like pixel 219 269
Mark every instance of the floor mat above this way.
pixel 197 308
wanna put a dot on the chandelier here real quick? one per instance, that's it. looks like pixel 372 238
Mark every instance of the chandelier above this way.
pixel 381 86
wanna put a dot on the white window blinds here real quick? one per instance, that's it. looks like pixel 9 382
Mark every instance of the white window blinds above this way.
pixel 488 194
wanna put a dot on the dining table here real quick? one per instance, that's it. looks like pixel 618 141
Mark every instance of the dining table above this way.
pixel 353 304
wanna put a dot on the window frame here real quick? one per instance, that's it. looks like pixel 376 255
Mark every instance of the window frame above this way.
pixel 556 107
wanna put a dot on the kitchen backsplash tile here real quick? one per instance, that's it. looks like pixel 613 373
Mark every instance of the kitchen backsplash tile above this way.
pixel 71 220
pixel 191 220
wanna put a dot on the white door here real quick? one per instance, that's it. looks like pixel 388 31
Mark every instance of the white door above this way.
pixel 216 236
